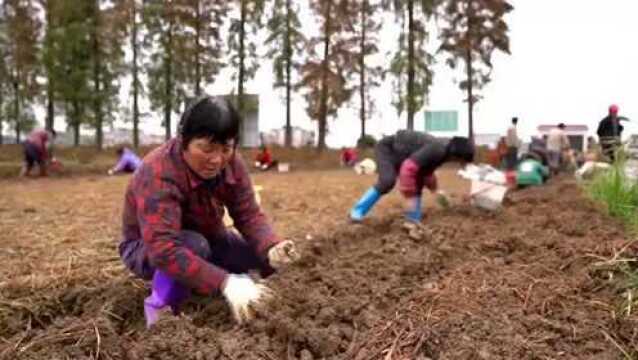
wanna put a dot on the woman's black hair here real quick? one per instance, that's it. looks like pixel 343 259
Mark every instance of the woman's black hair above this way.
pixel 461 148
pixel 212 118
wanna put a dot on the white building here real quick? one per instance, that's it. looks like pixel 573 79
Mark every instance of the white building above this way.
pixel 489 140
pixel 300 137
pixel 577 135
pixel 249 131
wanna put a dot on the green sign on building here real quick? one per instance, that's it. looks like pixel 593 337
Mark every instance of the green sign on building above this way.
pixel 447 121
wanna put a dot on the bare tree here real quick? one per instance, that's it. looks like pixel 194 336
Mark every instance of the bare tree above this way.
pixel 326 76
pixel 473 30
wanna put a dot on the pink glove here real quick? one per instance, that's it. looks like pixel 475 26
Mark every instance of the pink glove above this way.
pixel 408 184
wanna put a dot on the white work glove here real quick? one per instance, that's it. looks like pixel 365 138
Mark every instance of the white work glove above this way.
pixel 442 199
pixel 282 254
pixel 110 172
pixel 243 295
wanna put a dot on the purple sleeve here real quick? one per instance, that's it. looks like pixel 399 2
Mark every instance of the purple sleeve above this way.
pixel 121 164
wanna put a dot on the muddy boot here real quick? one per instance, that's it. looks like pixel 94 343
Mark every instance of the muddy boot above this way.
pixel 165 292
pixel 363 206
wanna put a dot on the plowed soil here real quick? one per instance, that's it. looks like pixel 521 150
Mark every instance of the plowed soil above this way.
pixel 536 280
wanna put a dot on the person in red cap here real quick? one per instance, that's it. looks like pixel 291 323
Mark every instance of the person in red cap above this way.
pixel 610 131
pixel 349 157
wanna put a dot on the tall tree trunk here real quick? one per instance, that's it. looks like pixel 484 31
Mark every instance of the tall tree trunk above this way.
pixel 136 81
pixel 288 73
pixel 323 106
pixel 470 96
pixel 470 72
pixel 168 64
pixel 97 100
pixel 399 87
pixel 411 101
pixel 362 68
pixel 49 121
pixel 242 55
pixel 16 109
pixel 76 123
pixel 1 115
pixel 50 117
pixel 198 31
pixel 76 133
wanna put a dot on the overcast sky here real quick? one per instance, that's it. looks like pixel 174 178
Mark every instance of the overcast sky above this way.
pixel 570 60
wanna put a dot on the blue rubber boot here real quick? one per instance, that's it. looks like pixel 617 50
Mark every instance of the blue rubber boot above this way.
pixel 363 206
pixel 165 292
pixel 415 214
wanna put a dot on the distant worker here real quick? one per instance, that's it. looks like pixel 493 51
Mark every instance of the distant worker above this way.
pixel 538 146
pixel 512 141
pixel 264 160
pixel 501 150
pixel 38 149
pixel 557 148
pixel 128 162
pixel 530 171
pixel 412 157
pixel 610 132
pixel 349 157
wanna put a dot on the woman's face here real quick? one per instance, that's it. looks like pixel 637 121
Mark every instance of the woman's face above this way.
pixel 207 159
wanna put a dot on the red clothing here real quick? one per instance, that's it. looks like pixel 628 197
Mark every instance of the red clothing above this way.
pixel 348 156
pixel 412 180
pixel 40 139
pixel 264 157
pixel 165 196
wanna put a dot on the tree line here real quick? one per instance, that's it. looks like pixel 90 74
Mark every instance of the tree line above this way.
pixel 72 56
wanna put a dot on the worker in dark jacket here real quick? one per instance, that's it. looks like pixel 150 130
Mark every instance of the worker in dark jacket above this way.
pixel 412 157
pixel 610 132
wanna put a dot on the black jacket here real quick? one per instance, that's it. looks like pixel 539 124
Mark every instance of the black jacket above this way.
pixel 426 150
pixel 609 127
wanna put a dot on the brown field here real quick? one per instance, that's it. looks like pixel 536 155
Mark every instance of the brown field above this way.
pixel 534 281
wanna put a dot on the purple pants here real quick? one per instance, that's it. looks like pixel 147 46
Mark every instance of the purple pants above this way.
pixel 230 252
pixel 129 168
pixel 32 155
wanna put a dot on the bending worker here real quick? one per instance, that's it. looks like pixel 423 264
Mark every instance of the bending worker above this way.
pixel 412 157
pixel 264 160
pixel 173 233
pixel 127 161
pixel 531 171
pixel 38 150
